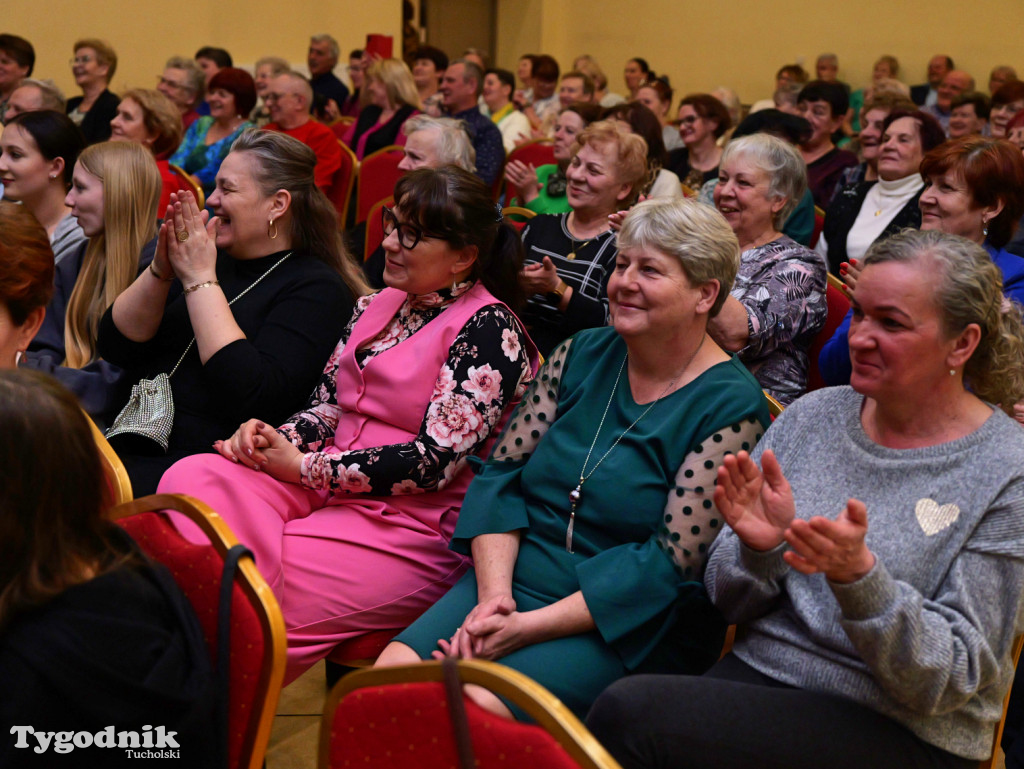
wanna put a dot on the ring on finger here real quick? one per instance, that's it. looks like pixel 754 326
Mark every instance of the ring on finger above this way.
pixel 181 235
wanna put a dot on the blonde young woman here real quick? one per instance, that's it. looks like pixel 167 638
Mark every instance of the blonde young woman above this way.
pixel 114 195
pixel 391 100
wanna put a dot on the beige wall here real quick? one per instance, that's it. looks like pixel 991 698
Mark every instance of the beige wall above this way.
pixel 702 44
pixel 145 33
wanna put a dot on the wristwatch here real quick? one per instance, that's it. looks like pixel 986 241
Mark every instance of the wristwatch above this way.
pixel 560 289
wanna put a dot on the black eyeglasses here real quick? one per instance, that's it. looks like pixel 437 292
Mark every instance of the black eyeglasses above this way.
pixel 408 234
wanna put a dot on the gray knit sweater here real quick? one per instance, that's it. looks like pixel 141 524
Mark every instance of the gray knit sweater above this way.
pixel 925 637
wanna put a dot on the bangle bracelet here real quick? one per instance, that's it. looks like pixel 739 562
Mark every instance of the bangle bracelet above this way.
pixel 198 286
pixel 560 289
pixel 157 275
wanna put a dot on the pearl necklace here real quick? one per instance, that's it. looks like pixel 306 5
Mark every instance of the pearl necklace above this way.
pixel 577 493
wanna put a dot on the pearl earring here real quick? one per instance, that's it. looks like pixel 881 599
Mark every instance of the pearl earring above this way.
pixel 952 372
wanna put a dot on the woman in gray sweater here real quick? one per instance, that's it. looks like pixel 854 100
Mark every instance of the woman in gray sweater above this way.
pixel 875 562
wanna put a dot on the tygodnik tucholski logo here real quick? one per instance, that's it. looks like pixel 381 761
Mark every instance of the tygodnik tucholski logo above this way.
pixel 151 742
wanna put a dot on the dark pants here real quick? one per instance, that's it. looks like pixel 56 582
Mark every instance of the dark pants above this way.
pixel 733 717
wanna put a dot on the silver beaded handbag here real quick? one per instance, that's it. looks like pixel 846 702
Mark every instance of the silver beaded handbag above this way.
pixel 149 413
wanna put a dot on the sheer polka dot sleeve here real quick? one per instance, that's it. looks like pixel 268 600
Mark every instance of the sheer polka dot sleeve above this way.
pixel 536 411
pixel 691 520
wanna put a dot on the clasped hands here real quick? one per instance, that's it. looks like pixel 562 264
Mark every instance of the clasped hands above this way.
pixel 490 631
pixel 259 446
pixel 759 507
pixel 539 277
pixel 186 247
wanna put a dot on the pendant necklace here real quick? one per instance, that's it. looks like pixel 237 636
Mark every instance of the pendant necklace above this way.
pixel 576 494
pixel 572 254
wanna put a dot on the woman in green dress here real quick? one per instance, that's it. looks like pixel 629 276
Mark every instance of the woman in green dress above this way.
pixel 589 524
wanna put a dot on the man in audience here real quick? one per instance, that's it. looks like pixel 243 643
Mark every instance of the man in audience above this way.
pixel 824 106
pixel 827 69
pixel 575 86
pixel 322 58
pixel 460 88
pixel 184 84
pixel 1000 76
pixel 32 96
pixel 926 94
pixel 969 115
pixel 288 101
pixel 955 83
pixel 428 68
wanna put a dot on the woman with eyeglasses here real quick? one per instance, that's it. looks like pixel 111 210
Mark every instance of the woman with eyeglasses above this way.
pixel 93 67
pixel 349 505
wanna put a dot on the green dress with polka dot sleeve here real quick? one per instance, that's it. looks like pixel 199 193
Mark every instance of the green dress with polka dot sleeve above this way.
pixel 643 523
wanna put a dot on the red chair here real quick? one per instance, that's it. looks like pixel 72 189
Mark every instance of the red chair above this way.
pixel 186 182
pixel 378 174
pixel 538 152
pixel 340 126
pixel 114 472
pixel 838 306
pixel 340 192
pixel 375 227
pixel 257 652
pixel 399 717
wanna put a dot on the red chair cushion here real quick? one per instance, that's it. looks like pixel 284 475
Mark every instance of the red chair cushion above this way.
pixel 378 174
pixel 403 725
pixel 197 570
pixel 838 306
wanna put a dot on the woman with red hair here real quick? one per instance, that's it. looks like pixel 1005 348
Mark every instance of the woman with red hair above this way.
pixel 231 95
pixel 26 280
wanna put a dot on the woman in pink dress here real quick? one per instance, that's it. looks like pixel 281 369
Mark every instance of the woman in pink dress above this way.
pixel 354 500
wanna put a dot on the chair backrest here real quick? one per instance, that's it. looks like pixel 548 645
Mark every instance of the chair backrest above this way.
pixel 992 762
pixel 340 191
pixel 398 717
pixel 525 213
pixel 375 227
pixel 341 125
pixel 774 407
pixel 114 473
pixel 838 305
pixel 688 191
pixel 257 657
pixel 378 174
pixel 186 182
pixel 537 152
pixel 819 223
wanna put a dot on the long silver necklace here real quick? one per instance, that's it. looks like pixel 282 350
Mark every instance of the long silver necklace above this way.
pixel 576 494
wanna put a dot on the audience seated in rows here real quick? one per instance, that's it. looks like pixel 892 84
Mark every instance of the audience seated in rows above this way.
pixel 273 252
pixel 557 571
pixel 366 475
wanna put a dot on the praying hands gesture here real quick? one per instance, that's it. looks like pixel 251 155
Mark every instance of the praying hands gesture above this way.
pixel 760 509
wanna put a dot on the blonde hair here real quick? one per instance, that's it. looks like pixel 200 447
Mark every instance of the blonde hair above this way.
pixel 969 289
pixel 105 54
pixel 630 155
pixel 397 80
pixel 131 195
pixel 161 116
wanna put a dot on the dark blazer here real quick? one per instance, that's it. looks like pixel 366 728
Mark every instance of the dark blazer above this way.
pixel 96 123
pixel 843 211
pixel 919 93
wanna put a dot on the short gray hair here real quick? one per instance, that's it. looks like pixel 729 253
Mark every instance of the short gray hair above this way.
pixel 277 65
pixel 332 45
pixel 50 95
pixel 786 169
pixel 696 234
pixel 196 80
pixel 471 71
pixel 454 146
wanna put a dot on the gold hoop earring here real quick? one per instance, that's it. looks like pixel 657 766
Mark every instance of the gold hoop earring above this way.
pixel 272 229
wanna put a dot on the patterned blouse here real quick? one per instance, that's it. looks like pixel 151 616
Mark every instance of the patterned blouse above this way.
pixel 782 286
pixel 487 367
